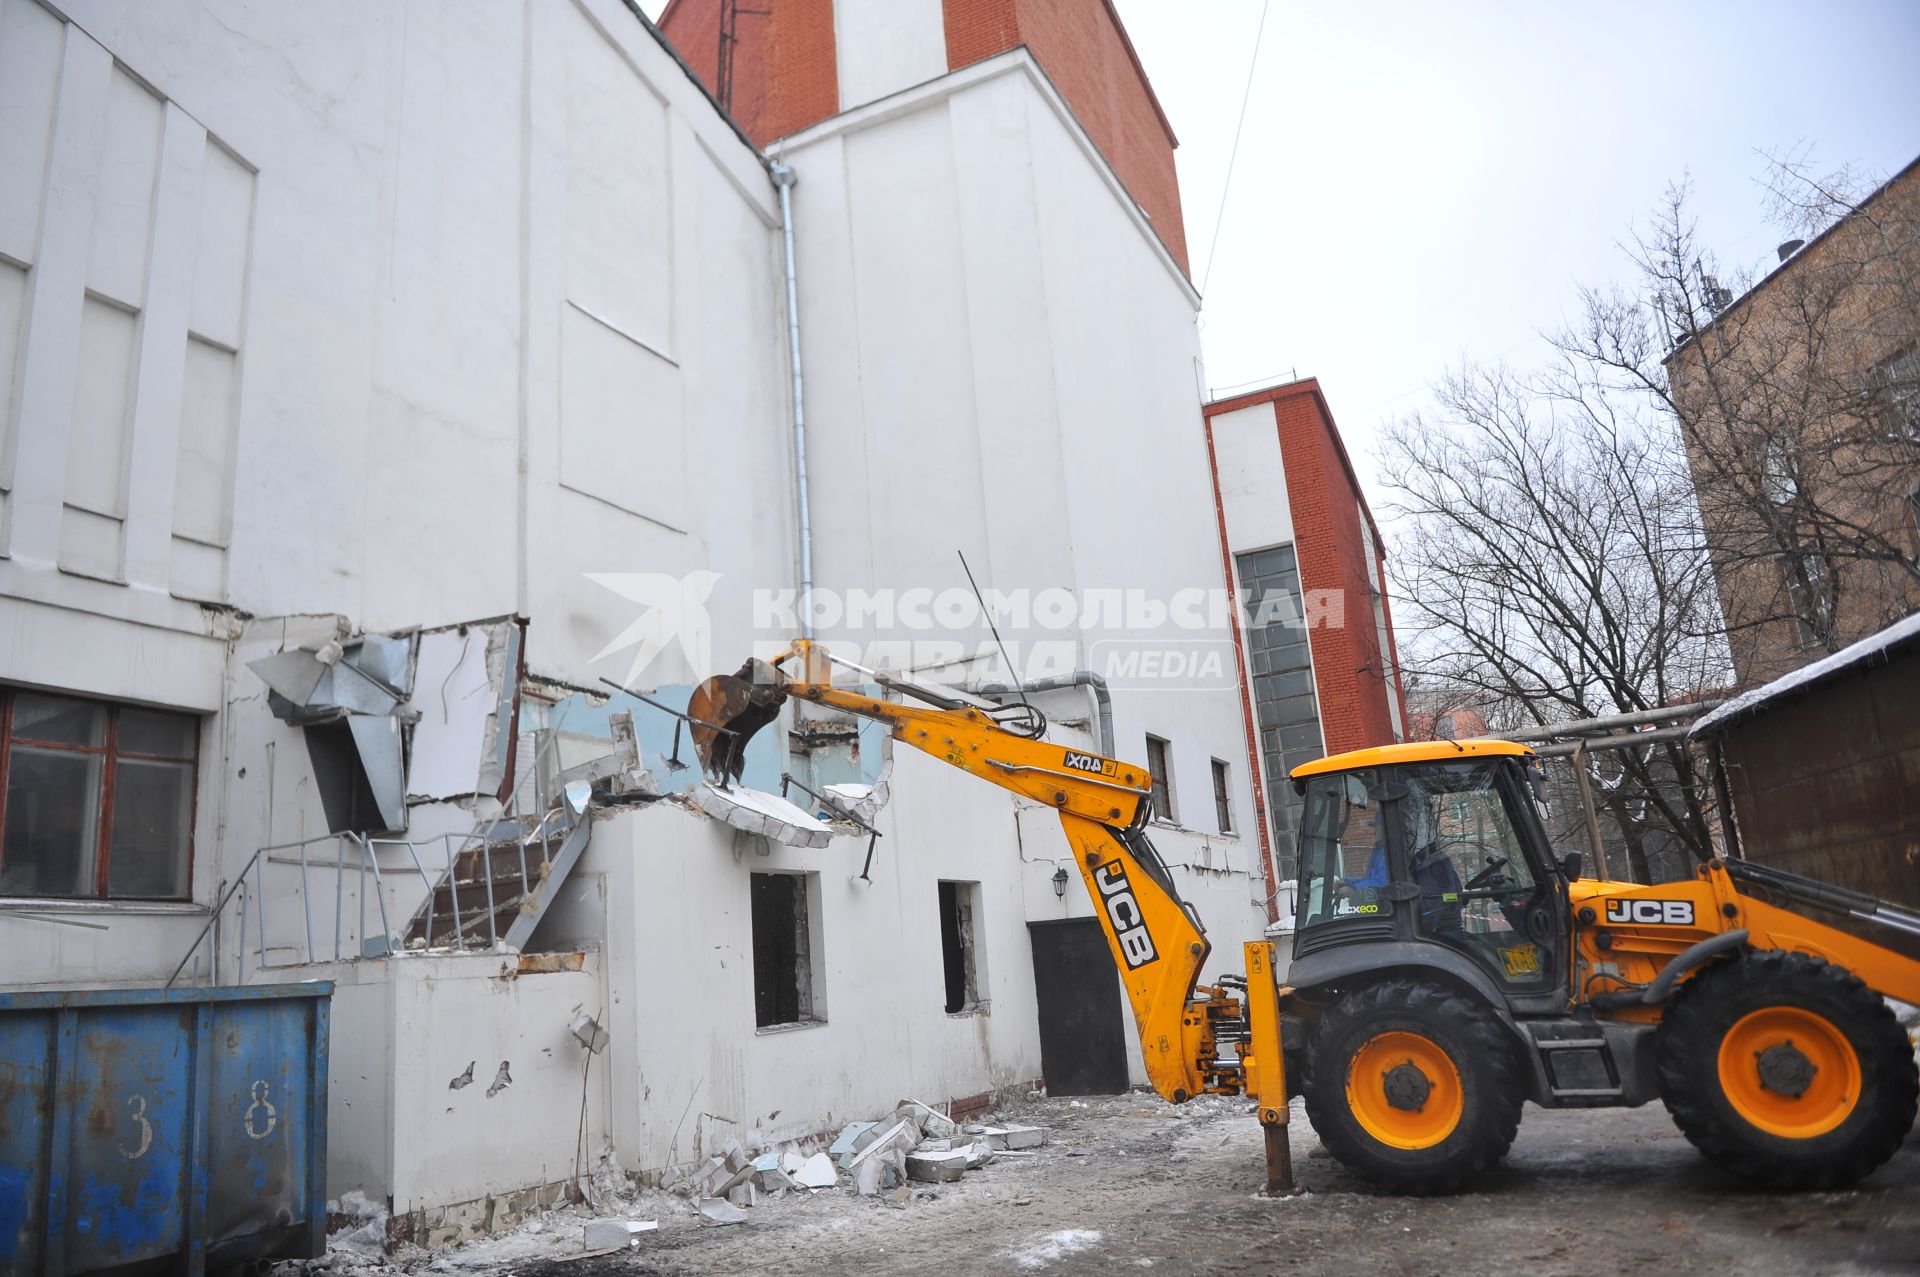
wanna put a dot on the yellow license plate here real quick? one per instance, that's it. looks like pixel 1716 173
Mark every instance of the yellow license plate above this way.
pixel 1522 959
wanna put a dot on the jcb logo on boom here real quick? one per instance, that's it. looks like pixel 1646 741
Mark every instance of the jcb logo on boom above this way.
pixel 1669 913
pixel 1123 910
pixel 1088 763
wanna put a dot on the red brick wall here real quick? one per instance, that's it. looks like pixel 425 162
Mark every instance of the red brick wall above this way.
pixel 1084 50
pixel 784 73
pixel 1325 496
pixel 785 77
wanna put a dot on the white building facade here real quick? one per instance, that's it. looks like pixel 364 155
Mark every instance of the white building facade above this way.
pixel 415 347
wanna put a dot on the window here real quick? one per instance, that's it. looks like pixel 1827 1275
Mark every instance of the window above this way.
pixel 1162 778
pixel 1343 853
pixel 1281 672
pixel 1898 382
pixel 1222 807
pixel 960 954
pixel 786 969
pixel 98 798
pixel 1779 471
pixel 1474 881
pixel 1810 593
pixel 1461 869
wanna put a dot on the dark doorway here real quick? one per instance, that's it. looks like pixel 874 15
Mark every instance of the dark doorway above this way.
pixel 782 965
pixel 1083 1046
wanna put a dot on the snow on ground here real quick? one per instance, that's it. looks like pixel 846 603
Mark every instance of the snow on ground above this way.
pixel 1129 1182
pixel 1067 1241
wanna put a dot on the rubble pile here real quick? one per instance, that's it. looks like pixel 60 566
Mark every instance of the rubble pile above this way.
pixel 916 1143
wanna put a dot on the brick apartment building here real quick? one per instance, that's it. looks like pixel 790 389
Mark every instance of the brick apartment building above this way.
pixel 1801 406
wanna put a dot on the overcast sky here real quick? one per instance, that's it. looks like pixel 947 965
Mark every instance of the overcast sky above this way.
pixel 1420 183
pixel 1423 183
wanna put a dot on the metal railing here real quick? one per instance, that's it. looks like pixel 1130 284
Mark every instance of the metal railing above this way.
pixel 241 926
pixel 357 855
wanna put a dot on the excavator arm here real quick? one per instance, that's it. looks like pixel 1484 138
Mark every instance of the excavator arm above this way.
pixel 1156 941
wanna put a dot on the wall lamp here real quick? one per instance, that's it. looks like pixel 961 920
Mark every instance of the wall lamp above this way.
pixel 1060 882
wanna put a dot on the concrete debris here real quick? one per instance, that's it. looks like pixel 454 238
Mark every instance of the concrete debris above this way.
pixel 851 1132
pixel 588 1030
pixel 817 1172
pixel 777 1181
pixel 617 1234
pixel 720 1211
pixel 901 1134
pixel 899 1197
pixel 744 1193
pixel 865 801
pixel 745 1175
pixel 366 1233
pixel 933 1122
pixel 937 1168
pixel 872 1177
pixel 1017 1137
pixel 768 815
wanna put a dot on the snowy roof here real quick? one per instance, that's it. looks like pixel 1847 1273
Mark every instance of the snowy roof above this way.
pixel 1875 649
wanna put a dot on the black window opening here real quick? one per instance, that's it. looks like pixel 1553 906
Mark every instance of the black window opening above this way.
pixel 1222 807
pixel 783 965
pixel 1162 777
pixel 959 946
pixel 96 798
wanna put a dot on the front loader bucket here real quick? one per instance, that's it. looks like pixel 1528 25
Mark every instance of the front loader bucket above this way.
pixel 727 711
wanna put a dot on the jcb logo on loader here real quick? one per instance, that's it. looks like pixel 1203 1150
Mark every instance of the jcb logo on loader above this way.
pixel 1089 763
pixel 1129 927
pixel 1669 913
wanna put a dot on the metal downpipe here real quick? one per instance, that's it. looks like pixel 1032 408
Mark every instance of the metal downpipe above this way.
pixel 784 179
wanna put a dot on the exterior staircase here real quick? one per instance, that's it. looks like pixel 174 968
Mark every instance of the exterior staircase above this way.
pixel 500 882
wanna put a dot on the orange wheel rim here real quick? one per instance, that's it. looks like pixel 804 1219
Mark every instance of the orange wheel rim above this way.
pixel 1789 1072
pixel 1404 1090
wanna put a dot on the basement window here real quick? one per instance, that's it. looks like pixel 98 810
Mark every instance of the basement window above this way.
pixel 1222 805
pixel 96 799
pixel 786 967
pixel 960 953
pixel 1162 769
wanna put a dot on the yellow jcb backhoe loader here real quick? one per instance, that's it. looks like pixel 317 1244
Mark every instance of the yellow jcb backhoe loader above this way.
pixel 1446 968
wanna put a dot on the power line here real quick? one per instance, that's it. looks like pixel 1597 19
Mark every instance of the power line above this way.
pixel 1221 215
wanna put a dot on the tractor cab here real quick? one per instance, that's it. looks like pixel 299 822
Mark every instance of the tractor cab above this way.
pixel 1432 844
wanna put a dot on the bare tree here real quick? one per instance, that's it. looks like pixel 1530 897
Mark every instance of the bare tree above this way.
pixel 1553 568
pixel 1798 403
pixel 1611 532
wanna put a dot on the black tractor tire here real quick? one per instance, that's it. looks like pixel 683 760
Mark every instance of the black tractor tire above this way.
pixel 1688 1058
pixel 1481 1051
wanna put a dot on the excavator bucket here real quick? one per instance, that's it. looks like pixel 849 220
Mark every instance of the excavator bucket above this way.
pixel 727 710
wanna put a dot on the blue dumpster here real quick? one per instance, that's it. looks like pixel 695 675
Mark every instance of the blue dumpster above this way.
pixel 183 1125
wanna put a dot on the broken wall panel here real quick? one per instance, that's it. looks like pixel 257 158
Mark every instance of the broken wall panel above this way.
pixel 463 681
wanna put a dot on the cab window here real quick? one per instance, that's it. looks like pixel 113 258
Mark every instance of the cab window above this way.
pixel 1343 858
pixel 1474 881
